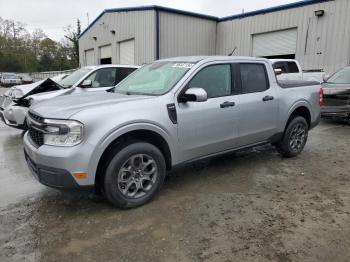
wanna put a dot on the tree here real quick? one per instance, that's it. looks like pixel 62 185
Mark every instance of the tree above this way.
pixel 21 51
pixel 73 37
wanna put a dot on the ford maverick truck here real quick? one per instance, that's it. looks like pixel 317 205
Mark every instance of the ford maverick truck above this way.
pixel 168 113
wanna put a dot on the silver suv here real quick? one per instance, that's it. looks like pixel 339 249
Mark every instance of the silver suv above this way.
pixel 166 114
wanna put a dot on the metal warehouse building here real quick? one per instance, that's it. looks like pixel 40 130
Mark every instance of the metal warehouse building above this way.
pixel 315 32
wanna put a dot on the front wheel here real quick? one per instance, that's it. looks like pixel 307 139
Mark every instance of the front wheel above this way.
pixel 134 175
pixel 294 138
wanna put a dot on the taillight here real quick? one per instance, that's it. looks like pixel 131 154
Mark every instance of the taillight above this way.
pixel 320 96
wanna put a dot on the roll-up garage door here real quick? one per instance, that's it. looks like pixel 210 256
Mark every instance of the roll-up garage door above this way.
pixel 106 54
pixel 275 43
pixel 127 52
pixel 89 57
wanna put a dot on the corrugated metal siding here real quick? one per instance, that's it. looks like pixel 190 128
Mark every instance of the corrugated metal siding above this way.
pixel 139 25
pixel 327 44
pixel 184 35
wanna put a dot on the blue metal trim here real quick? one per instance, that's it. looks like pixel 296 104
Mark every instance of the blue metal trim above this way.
pixel 213 18
pixel 146 8
pixel 273 9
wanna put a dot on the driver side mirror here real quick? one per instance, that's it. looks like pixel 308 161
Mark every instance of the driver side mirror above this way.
pixel 86 83
pixel 194 94
pixel 325 78
pixel 278 71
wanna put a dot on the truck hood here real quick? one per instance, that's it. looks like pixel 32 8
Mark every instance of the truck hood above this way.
pixel 63 107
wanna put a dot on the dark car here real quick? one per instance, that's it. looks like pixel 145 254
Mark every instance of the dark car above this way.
pixel 336 95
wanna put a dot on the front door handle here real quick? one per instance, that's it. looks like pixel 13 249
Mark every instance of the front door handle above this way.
pixel 267 98
pixel 227 104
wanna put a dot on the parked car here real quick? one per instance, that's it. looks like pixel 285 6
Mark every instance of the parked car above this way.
pixel 26 79
pixel 290 69
pixel 166 114
pixel 86 79
pixel 10 79
pixel 337 95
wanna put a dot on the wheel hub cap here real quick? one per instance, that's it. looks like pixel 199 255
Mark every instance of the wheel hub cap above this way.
pixel 297 137
pixel 137 176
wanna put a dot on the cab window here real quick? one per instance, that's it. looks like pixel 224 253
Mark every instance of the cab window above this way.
pixel 253 78
pixel 104 77
pixel 214 79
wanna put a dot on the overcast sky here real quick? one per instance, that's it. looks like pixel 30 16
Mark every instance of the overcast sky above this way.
pixel 53 15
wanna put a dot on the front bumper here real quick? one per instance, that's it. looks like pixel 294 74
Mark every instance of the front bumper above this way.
pixel 335 112
pixel 55 166
pixel 52 177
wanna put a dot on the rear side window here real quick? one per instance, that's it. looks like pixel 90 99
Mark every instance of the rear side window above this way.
pixel 214 79
pixel 123 72
pixel 253 78
pixel 292 67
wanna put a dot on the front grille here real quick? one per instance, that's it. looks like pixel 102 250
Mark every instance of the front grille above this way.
pixel 36 135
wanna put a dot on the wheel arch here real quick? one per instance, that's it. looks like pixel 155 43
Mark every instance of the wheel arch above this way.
pixel 300 109
pixel 138 134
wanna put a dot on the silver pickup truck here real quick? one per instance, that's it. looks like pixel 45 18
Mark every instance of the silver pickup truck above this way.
pixel 166 114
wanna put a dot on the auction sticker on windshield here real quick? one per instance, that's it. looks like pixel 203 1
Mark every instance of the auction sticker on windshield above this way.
pixel 183 65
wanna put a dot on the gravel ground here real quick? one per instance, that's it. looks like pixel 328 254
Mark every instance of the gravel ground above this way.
pixel 248 206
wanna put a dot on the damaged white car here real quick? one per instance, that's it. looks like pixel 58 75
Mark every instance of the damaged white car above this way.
pixel 15 103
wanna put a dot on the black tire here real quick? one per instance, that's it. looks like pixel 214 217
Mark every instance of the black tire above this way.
pixel 116 190
pixel 288 147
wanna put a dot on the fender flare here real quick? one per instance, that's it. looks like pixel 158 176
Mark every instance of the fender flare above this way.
pixel 114 134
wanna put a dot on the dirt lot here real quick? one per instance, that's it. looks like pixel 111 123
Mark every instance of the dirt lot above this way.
pixel 248 206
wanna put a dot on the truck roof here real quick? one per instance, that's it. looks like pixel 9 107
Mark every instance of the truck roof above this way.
pixel 103 66
pixel 196 59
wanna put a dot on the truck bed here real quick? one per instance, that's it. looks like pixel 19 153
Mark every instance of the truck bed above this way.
pixel 296 83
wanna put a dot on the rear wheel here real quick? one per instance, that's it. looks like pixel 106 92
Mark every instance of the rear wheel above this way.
pixel 294 138
pixel 134 175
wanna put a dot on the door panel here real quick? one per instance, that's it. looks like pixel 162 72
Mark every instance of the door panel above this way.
pixel 257 118
pixel 208 127
pixel 205 127
pixel 257 105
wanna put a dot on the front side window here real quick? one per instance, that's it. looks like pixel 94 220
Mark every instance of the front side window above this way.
pixel 154 79
pixel 73 78
pixel 340 77
pixel 253 78
pixel 104 77
pixel 214 79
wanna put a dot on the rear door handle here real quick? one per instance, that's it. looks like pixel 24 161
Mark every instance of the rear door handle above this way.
pixel 267 98
pixel 227 104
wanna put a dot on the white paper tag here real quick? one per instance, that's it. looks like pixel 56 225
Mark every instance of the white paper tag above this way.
pixel 183 65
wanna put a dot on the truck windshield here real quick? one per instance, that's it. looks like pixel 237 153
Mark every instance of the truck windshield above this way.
pixel 70 80
pixel 153 79
pixel 340 77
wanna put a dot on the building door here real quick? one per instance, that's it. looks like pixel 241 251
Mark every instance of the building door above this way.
pixel 275 44
pixel 106 55
pixel 89 57
pixel 127 52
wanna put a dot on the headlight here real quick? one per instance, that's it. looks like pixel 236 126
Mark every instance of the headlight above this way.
pixel 17 93
pixel 62 132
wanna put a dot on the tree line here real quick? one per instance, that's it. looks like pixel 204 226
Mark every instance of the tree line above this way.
pixel 22 51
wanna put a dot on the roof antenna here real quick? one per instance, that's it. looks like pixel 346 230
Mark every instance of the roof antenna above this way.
pixel 234 49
